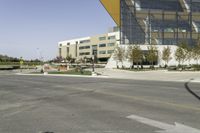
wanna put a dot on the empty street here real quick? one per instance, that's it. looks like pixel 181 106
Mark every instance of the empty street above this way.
pixel 37 104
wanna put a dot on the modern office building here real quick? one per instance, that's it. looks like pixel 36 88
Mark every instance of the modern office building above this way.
pixel 159 22
pixel 162 22
pixel 101 46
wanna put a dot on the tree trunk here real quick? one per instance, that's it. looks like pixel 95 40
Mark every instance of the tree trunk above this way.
pixel 117 64
pixel 141 65
pixel 133 65
pixel 122 65
pixel 179 65
pixel 137 66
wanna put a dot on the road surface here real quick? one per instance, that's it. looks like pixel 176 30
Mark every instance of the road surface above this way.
pixel 36 104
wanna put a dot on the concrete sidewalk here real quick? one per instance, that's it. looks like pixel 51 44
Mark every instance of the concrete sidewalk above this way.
pixel 159 75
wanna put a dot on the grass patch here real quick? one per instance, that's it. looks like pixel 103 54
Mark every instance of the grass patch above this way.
pixel 9 67
pixel 73 72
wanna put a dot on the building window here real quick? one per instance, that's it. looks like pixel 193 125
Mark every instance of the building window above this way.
pixel 102 52
pixel 67 51
pixel 110 51
pixel 84 47
pixel 85 41
pixel 60 45
pixel 111 38
pixel 111 44
pixel 68 43
pixel 60 52
pixel 84 53
pixel 102 45
pixel 102 38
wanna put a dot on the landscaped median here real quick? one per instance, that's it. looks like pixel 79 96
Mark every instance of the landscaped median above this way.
pixel 69 72
pixel 72 72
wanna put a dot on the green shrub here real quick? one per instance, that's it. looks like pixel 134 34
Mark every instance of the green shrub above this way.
pixel 196 67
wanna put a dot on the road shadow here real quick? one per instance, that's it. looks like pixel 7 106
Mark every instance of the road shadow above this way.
pixel 190 90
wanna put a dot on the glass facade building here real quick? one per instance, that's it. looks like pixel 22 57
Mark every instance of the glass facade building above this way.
pixel 162 22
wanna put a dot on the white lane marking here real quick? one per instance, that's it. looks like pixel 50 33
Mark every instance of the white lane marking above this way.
pixel 166 128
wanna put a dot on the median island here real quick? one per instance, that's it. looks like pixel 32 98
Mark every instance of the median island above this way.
pixel 72 72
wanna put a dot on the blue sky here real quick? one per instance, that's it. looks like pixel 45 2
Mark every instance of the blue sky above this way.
pixel 30 27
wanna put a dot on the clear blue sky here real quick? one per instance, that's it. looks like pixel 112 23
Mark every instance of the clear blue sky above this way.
pixel 30 27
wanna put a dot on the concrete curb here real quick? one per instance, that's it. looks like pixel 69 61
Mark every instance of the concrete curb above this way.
pixel 61 75
pixel 156 71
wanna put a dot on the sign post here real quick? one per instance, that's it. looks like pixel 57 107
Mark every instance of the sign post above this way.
pixel 21 63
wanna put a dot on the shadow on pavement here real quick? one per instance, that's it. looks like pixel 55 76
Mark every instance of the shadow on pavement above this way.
pixel 190 90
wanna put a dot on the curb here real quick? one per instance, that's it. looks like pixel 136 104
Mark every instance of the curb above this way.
pixel 60 75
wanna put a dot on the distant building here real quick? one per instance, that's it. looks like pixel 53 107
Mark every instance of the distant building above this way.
pixel 102 46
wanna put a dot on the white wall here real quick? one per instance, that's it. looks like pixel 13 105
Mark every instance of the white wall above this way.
pixel 112 63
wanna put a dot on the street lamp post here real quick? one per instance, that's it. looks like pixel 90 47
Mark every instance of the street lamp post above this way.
pixel 93 63
pixel 21 63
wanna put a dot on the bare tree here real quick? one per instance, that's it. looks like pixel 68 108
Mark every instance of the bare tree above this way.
pixel 119 55
pixel 58 59
pixel 196 53
pixel 135 55
pixel 69 58
pixel 166 55
pixel 189 54
pixel 152 55
pixel 181 54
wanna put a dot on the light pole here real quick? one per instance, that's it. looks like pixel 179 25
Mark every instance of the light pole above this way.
pixel 93 63
pixel 21 63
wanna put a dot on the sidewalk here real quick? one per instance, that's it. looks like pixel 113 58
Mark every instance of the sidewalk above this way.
pixel 159 75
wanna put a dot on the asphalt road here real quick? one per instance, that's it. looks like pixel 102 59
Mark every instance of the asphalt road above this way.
pixel 35 104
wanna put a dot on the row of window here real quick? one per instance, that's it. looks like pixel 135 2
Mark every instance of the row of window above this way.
pixel 108 52
pixel 100 52
pixel 100 45
pixel 109 45
pixel 84 47
pixel 84 41
pixel 88 41
pixel 109 38
pixel 84 53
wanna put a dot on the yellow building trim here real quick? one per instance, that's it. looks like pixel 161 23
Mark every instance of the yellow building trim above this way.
pixel 113 8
